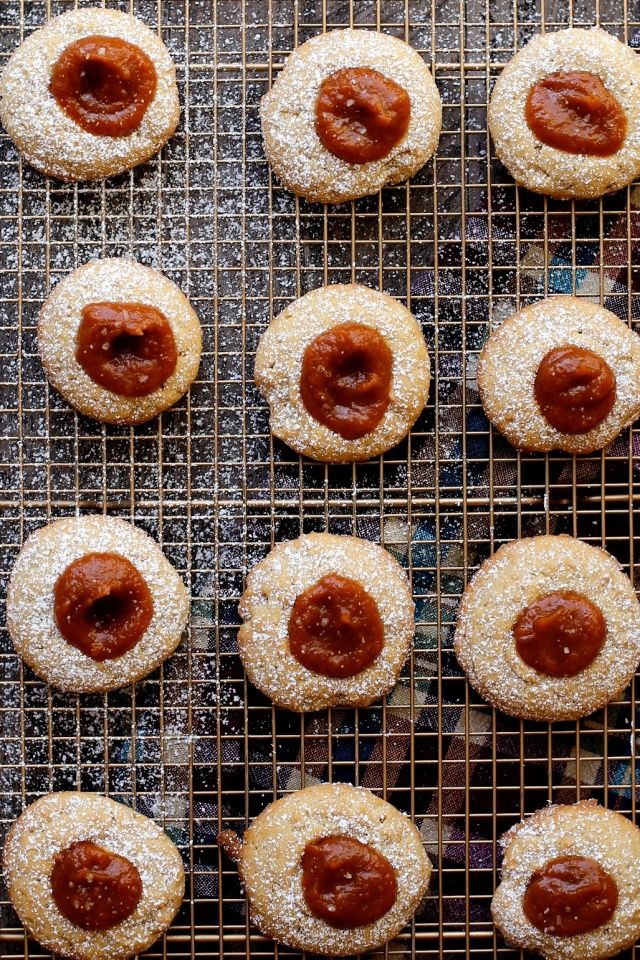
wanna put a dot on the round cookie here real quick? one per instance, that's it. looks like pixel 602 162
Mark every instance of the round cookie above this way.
pixel 510 359
pixel 280 357
pixel 295 151
pixel 269 863
pixel 115 281
pixel 516 576
pixel 31 617
pixel 545 168
pixel 50 826
pixel 49 139
pixel 582 829
pixel 272 588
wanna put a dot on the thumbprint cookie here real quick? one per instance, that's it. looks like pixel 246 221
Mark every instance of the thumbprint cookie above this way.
pixel 565 114
pixel 352 110
pixel 562 374
pixel 91 879
pixel 119 341
pixel 328 621
pixel 332 869
pixel 570 885
pixel 89 95
pixel 549 629
pixel 93 604
pixel 345 371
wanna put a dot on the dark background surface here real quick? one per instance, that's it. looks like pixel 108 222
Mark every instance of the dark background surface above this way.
pixel 194 746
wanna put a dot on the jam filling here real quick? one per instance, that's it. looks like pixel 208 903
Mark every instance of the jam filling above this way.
pixel 104 84
pixel 335 627
pixel 560 634
pixel 569 896
pixel 347 883
pixel 575 112
pixel 574 388
pixel 345 382
pixel 361 115
pixel 93 888
pixel 102 605
pixel 127 348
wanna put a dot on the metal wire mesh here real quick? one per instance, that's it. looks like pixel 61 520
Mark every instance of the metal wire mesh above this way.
pixel 194 746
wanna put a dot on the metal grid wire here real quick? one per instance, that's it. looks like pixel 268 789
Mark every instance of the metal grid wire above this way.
pixel 194 746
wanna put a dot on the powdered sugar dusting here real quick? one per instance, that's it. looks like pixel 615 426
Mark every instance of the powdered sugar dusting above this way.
pixel 514 577
pixel 115 281
pixel 48 138
pixel 279 362
pixel 54 823
pixel 288 116
pixel 584 830
pixel 272 589
pixel 271 867
pixel 31 620
pixel 511 357
pixel 539 166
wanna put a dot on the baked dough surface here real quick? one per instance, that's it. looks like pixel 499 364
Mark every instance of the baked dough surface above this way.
pixel 581 829
pixel 56 821
pixel 511 356
pixel 30 614
pixel 115 281
pixel 271 872
pixel 279 362
pixel 291 144
pixel 50 140
pixel 545 169
pixel 516 575
pixel 271 591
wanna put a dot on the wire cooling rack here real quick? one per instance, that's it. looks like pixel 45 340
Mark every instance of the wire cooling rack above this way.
pixel 194 746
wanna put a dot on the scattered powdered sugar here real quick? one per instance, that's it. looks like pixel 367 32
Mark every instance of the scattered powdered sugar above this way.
pixel 272 588
pixel 544 168
pixel 511 357
pixel 271 865
pixel 49 139
pixel 505 585
pixel 585 830
pixel 30 616
pixel 53 823
pixel 115 281
pixel 294 149
pixel 243 197
pixel 279 362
